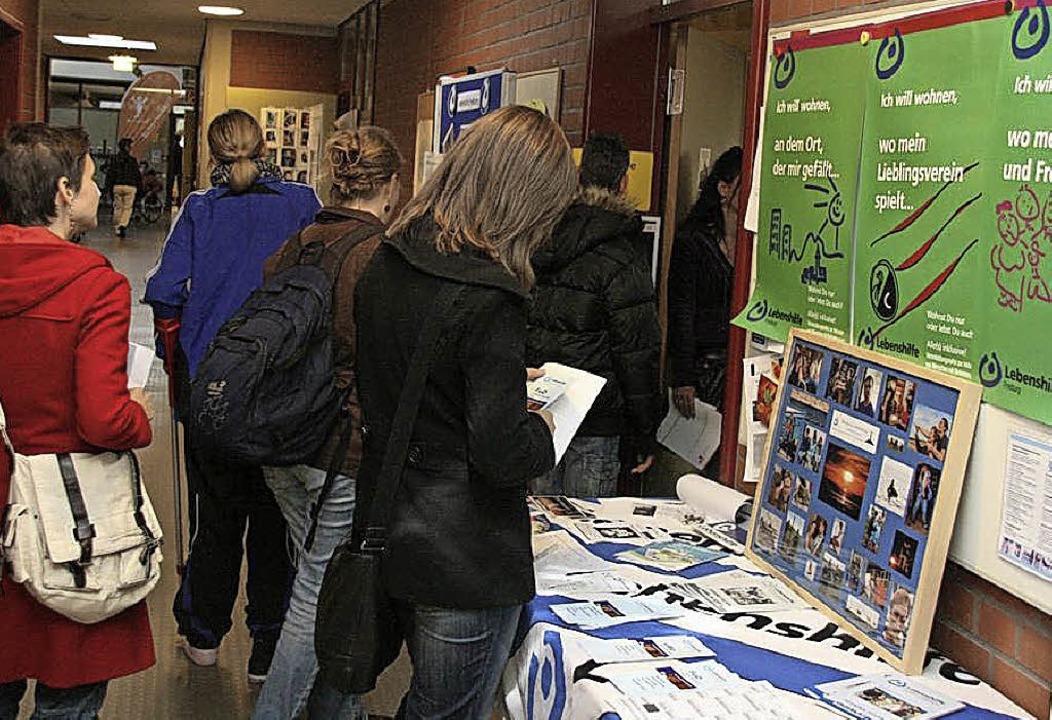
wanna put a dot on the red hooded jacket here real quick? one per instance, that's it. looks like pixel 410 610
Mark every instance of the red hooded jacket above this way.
pixel 64 320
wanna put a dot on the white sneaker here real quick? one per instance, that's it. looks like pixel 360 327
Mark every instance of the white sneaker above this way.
pixel 201 656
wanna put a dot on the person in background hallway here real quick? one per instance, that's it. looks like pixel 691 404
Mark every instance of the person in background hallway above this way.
pixel 699 290
pixel 64 319
pixel 211 262
pixel 364 173
pixel 594 309
pixel 124 180
pixel 458 561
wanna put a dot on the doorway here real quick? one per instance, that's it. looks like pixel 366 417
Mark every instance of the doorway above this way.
pixel 10 75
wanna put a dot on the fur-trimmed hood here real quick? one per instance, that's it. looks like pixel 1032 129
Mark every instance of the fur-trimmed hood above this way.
pixel 597 217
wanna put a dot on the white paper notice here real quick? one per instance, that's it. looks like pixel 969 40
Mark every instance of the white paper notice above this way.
pixel 614 611
pixel 695 440
pixel 1026 516
pixel 140 359
pixel 568 411
pixel 641 649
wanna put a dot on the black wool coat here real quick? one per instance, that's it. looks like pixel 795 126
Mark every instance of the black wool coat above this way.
pixel 460 532
pixel 594 308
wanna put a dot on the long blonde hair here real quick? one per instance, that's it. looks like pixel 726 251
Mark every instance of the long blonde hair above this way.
pixel 362 162
pixel 501 189
pixel 236 138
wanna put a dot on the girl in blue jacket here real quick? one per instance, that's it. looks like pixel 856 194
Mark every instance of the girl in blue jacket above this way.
pixel 211 262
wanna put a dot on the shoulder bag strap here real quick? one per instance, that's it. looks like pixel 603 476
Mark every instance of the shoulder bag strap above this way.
pixel 435 330
pixel 3 433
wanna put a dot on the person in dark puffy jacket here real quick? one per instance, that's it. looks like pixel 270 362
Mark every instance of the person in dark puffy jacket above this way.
pixel 594 309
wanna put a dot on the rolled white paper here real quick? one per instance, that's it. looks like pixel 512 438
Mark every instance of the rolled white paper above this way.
pixel 717 502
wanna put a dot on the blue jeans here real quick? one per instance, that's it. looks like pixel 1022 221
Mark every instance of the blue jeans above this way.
pixel 82 702
pixel 589 468
pixel 291 677
pixel 458 659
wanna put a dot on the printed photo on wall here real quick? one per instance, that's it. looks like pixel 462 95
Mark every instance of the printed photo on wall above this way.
pixel 271 119
pixel 896 443
pixel 832 576
pixel 301 176
pixel 875 585
pixel 841 385
pixel 802 493
pixel 930 434
pixel 875 520
pixel 894 485
pixel 869 617
pixel 272 156
pixel 288 137
pixel 844 480
pixel 290 120
pixel 800 438
pixel 921 501
pixel 767 531
pixel 811 570
pixel 288 158
pixel 806 368
pixel 903 552
pixel 793 536
pixel 900 612
pixel 866 402
pixel 781 488
pixel 304 138
pixel 836 536
pixel 305 120
pixel 270 137
pixel 814 541
pixel 896 407
pixel 809 452
pixel 854 572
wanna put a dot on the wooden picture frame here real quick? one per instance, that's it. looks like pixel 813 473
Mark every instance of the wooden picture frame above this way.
pixel 863 470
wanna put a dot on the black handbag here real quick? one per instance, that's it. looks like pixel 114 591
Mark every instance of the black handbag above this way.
pixel 357 631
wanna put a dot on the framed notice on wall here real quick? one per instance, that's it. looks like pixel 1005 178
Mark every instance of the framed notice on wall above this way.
pixel 862 473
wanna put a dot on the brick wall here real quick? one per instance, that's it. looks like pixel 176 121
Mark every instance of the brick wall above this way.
pixel 24 13
pixel 418 41
pixel 281 61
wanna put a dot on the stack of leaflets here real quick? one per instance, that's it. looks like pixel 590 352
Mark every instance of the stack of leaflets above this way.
pixel 888 696
pixel 542 392
pixel 739 591
pixel 614 611
pixel 624 650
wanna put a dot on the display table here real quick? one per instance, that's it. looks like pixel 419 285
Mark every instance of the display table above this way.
pixel 552 677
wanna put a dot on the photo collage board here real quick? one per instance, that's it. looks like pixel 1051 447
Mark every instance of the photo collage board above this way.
pixel 862 477
pixel 289 134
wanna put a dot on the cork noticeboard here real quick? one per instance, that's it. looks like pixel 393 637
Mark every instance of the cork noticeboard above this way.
pixel 862 474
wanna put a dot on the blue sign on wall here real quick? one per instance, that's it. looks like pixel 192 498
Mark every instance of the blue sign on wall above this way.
pixel 461 101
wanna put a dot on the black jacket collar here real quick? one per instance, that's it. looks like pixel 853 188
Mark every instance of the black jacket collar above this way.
pixel 416 245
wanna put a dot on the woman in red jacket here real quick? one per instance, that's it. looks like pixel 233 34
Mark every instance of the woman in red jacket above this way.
pixel 64 318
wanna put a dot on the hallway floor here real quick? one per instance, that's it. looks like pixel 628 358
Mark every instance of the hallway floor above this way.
pixel 175 688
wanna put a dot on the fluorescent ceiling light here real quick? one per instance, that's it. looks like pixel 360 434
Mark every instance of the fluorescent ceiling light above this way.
pixel 221 10
pixel 123 63
pixel 109 104
pixel 107 41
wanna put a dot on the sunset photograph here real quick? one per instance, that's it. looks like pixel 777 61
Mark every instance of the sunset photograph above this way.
pixel 844 480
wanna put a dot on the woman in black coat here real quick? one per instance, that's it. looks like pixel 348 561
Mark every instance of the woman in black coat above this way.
pixel 700 280
pixel 458 558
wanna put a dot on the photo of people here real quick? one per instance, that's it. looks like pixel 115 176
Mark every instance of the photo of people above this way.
pixel 652 648
pixel 875 585
pixel 832 577
pixel 894 485
pixel 301 176
pixel 304 158
pixel 806 368
pixel 305 138
pixel 930 434
pixel 896 407
pixel 288 137
pixel 903 551
pixel 814 541
pixel 811 570
pixel 802 493
pixel 793 536
pixel 921 501
pixel 305 120
pixel 272 156
pixel 270 137
pixel 675 678
pixel 768 527
pixel 270 120
pixel 875 520
pixel 844 480
pixel 896 443
pixel 800 437
pixel 288 158
pixel 841 385
pixel 836 536
pixel 781 488
pixel 900 611
pixel 866 402
pixel 290 119
pixel 854 572
pixel 881 699
pixel 809 452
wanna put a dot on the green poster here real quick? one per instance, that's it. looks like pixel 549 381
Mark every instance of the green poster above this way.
pixel 1016 293
pixel 812 123
pixel 919 241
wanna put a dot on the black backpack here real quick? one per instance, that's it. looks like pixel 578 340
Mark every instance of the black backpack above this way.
pixel 265 393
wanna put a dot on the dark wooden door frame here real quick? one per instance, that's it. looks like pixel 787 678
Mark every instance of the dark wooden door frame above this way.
pixel 12 60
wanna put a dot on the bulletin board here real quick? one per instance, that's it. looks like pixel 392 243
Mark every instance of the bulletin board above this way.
pixel 293 138
pixel 862 475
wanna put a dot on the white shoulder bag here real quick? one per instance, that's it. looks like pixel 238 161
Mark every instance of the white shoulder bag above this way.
pixel 79 531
